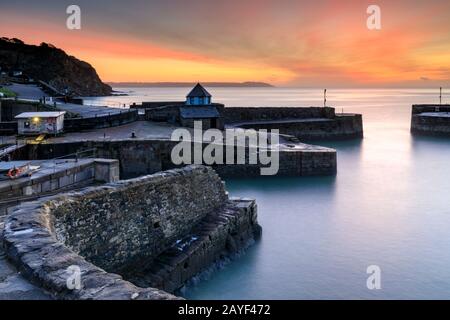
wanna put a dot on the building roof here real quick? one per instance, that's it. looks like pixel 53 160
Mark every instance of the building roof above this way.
pixel 198 91
pixel 199 112
pixel 44 114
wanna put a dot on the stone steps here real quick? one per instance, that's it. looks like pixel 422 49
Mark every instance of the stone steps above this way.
pixel 207 244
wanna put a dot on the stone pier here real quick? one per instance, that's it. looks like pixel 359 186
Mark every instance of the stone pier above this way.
pixel 430 119
pixel 172 224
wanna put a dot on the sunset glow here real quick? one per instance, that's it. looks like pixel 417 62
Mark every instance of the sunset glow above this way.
pixel 293 43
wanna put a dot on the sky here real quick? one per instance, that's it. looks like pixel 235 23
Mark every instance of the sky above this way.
pixel 284 42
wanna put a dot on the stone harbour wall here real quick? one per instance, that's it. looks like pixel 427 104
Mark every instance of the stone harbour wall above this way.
pixel 101 121
pixel 59 179
pixel 421 108
pixel 430 120
pixel 248 114
pixel 347 126
pixel 30 244
pixel 303 123
pixel 66 175
pixel 11 108
pixel 135 220
pixel 127 227
pixel 140 157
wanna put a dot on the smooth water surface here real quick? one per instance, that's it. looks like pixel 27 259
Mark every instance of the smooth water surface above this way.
pixel 389 206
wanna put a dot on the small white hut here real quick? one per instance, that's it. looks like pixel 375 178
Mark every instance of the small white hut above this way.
pixel 32 123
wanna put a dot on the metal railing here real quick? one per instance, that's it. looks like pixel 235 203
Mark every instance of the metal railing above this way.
pixel 84 154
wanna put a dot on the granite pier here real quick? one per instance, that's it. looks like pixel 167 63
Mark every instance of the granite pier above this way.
pixel 112 230
pixel 150 151
pixel 430 119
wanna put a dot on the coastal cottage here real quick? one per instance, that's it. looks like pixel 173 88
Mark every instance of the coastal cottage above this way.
pixel 33 123
pixel 198 107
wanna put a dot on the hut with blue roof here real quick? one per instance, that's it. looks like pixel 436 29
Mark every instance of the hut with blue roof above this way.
pixel 198 107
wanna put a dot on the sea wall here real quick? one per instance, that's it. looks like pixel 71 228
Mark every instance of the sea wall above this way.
pixel 8 128
pixel 103 121
pixel 67 174
pixel 136 220
pixel 166 113
pixel 430 120
pixel 139 157
pixel 303 123
pixel 58 179
pixel 157 104
pixel 250 114
pixel 345 126
pixel 11 108
pixel 124 225
pixel 421 108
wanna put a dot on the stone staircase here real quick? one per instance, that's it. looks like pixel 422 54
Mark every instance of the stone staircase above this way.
pixel 210 244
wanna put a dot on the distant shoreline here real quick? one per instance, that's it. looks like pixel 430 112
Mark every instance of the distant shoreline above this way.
pixel 191 84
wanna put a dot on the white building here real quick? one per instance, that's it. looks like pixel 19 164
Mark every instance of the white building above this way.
pixel 31 123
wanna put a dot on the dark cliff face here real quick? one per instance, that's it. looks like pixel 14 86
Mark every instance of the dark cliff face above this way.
pixel 52 65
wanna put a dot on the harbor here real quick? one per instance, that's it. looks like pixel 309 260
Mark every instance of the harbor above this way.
pixel 224 159
pixel 322 192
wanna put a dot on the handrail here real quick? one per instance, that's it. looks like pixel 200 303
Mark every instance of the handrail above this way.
pixel 76 154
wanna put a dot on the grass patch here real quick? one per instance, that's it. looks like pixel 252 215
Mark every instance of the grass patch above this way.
pixel 8 93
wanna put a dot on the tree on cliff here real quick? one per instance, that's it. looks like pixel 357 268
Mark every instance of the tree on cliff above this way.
pixel 52 65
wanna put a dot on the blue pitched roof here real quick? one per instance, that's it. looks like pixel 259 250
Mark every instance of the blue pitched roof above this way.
pixel 198 91
pixel 199 112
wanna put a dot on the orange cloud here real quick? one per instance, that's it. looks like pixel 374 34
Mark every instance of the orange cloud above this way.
pixel 285 42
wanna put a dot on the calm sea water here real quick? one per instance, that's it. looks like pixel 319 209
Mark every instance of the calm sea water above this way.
pixel 389 206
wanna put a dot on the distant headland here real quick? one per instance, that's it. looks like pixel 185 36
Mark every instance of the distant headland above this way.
pixel 248 84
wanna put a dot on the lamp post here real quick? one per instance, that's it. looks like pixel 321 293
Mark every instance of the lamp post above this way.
pixel 325 97
pixel 440 95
